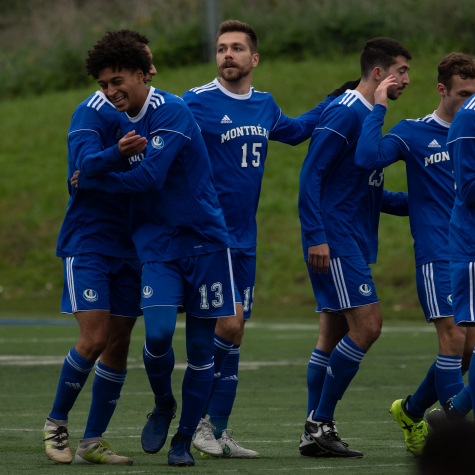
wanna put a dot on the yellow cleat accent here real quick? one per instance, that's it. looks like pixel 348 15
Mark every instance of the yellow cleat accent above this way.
pixel 56 443
pixel 415 432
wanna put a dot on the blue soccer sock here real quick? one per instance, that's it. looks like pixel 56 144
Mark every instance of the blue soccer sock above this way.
pixel 464 371
pixel 316 371
pixel 225 393
pixel 195 391
pixel 448 376
pixel 222 348
pixel 425 395
pixel 159 370
pixel 74 374
pixel 462 402
pixel 105 396
pixel 343 365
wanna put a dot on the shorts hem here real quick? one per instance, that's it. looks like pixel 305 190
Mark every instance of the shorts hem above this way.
pixel 88 310
pixel 162 305
pixel 326 309
pixel 465 323
pixel 209 316
pixel 437 317
pixel 126 316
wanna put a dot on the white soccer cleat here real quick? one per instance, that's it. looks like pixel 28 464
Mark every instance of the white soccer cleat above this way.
pixel 204 439
pixel 99 452
pixel 56 442
pixel 231 449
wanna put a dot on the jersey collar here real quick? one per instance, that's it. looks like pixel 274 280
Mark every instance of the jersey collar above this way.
pixel 240 97
pixel 440 121
pixel 144 108
pixel 101 94
pixel 361 98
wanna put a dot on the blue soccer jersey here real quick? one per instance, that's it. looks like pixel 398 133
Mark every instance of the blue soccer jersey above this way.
pixel 175 209
pixel 422 145
pixel 461 144
pixel 95 221
pixel 236 129
pixel 339 203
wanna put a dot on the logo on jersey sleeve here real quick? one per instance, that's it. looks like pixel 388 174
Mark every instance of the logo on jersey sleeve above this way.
pixel 449 299
pixel 90 295
pixel 366 290
pixel 147 292
pixel 158 142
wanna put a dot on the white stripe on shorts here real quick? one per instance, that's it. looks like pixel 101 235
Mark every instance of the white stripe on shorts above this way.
pixel 230 262
pixel 433 289
pixel 339 280
pixel 431 295
pixel 335 280
pixel 70 277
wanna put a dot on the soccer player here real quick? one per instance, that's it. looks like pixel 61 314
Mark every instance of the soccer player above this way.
pixel 180 234
pixel 339 206
pixel 101 278
pixel 237 122
pixel 422 145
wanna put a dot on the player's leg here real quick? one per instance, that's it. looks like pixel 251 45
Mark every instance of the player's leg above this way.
pixel 86 295
pixel 209 294
pixel 162 296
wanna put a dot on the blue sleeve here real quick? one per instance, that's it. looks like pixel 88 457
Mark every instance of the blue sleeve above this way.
pixel 462 152
pixel 169 125
pixel 194 103
pixel 295 131
pixel 86 143
pixel 328 139
pixel 373 151
pixel 396 204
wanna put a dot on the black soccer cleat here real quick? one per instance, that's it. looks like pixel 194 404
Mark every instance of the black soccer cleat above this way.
pixel 324 433
pixel 309 448
pixel 443 416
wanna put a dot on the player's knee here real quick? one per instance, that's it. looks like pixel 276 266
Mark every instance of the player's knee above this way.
pixel 453 341
pixel 230 328
pixel 96 345
pixel 159 344
pixel 373 333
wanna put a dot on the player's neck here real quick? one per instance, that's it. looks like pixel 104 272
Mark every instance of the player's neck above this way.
pixel 139 102
pixel 241 87
pixel 366 89
pixel 443 114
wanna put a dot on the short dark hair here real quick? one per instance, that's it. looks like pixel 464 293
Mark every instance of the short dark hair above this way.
pixel 236 25
pixel 381 52
pixel 118 50
pixel 455 64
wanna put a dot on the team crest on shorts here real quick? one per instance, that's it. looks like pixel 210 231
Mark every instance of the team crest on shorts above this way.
pixel 158 142
pixel 449 299
pixel 365 289
pixel 147 292
pixel 90 295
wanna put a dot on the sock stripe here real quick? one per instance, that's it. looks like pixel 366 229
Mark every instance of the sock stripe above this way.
pixel 222 345
pixel 449 363
pixel 74 365
pixel 113 377
pixel 153 356
pixel 319 360
pixel 349 352
pixel 201 368
pixel 235 351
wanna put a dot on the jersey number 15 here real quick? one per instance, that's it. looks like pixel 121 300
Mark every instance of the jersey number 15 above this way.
pixel 255 162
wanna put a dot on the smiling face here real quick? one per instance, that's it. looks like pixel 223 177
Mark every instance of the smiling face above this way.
pixel 400 72
pixel 125 89
pixel 234 57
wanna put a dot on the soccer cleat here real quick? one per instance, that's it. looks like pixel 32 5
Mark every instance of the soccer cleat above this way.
pixel 442 416
pixel 231 449
pixel 179 455
pixel 99 452
pixel 309 448
pixel 57 443
pixel 415 432
pixel 204 439
pixel 155 431
pixel 324 433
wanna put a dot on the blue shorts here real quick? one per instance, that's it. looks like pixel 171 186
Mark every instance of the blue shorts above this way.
pixel 462 276
pixel 434 290
pixel 347 284
pixel 244 268
pixel 202 286
pixel 98 282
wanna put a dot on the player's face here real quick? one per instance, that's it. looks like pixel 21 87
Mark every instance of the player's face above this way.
pixel 234 57
pixel 400 72
pixel 460 91
pixel 123 88
pixel 148 77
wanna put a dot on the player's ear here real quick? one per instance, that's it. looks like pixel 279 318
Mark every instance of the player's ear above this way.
pixel 255 59
pixel 442 90
pixel 377 73
pixel 139 76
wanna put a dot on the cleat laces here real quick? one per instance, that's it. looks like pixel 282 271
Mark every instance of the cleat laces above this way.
pixel 332 434
pixel 104 447
pixel 58 435
pixel 157 415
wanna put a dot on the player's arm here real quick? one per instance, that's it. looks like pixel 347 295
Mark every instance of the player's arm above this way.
pixel 327 141
pixel 396 204
pixel 373 151
pixel 169 124
pixel 462 152
pixel 295 131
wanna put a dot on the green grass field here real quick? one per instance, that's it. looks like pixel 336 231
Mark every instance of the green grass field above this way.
pixel 269 412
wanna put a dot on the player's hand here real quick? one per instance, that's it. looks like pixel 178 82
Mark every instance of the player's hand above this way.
pixel 381 93
pixel 319 258
pixel 74 179
pixel 131 144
